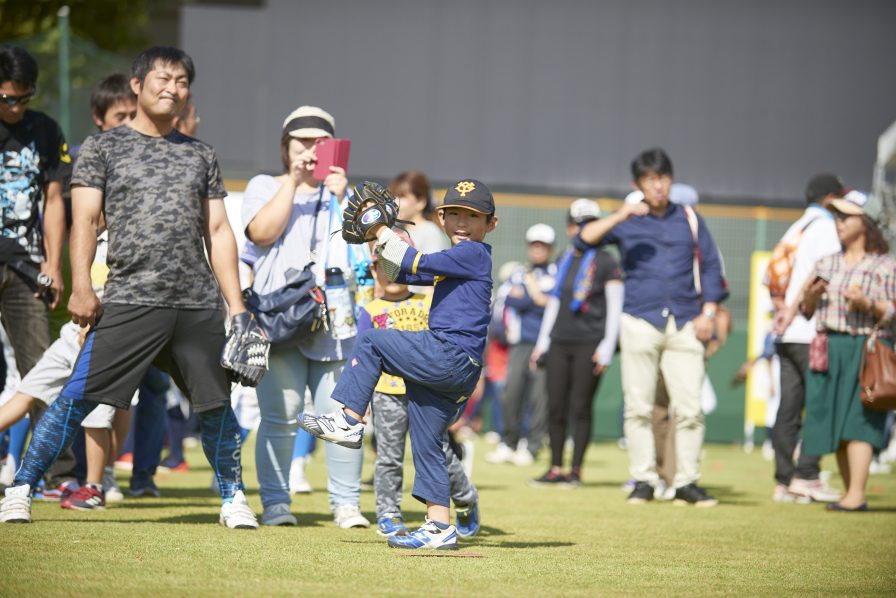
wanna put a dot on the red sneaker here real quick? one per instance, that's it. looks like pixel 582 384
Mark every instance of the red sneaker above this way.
pixel 87 498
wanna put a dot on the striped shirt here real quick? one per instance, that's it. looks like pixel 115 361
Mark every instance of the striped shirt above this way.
pixel 874 274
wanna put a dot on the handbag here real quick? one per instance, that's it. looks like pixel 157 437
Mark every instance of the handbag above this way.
pixel 297 309
pixel 292 312
pixel 877 376
pixel 818 353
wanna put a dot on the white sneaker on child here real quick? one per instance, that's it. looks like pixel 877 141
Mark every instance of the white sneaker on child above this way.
pixel 348 516
pixel 297 482
pixel 111 487
pixel 333 427
pixel 8 471
pixel 236 514
pixel 16 507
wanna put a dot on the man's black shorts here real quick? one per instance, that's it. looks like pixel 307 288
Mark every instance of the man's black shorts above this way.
pixel 186 343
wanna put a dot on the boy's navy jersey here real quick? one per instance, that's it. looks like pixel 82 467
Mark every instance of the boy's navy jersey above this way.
pixel 461 301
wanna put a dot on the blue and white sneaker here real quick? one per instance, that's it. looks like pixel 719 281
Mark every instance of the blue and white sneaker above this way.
pixel 467 522
pixel 334 428
pixel 429 536
pixel 392 525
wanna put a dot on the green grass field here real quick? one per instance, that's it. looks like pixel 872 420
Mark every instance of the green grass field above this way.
pixel 534 542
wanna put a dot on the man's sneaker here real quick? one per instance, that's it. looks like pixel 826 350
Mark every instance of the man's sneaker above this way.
pixel 392 525
pixel 297 482
pixel 467 521
pixel 111 488
pixel 551 478
pixel 278 514
pixel 642 493
pixel 143 489
pixel 348 516
pixel 16 507
pixel 501 454
pixel 813 489
pixel 692 494
pixel 63 490
pixel 333 427
pixel 236 514
pixel 428 536
pixel 87 498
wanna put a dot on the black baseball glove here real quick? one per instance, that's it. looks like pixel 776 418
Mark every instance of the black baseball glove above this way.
pixel 245 354
pixel 370 205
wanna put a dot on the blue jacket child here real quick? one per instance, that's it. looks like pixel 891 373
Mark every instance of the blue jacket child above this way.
pixel 440 366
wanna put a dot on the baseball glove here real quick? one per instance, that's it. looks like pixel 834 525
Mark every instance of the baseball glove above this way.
pixel 245 354
pixel 369 206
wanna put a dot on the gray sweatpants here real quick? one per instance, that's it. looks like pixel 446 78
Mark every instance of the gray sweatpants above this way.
pixel 390 425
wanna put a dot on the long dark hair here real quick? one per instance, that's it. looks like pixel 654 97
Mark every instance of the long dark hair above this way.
pixel 874 237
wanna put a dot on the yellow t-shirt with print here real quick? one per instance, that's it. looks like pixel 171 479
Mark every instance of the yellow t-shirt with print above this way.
pixel 409 314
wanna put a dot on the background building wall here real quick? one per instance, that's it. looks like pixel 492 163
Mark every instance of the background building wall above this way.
pixel 749 98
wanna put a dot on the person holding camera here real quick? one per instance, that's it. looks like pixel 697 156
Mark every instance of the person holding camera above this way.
pixel 291 219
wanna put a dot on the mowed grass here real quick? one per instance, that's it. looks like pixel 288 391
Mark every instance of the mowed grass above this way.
pixel 534 541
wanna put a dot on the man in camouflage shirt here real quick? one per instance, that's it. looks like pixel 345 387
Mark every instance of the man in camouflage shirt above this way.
pixel 161 193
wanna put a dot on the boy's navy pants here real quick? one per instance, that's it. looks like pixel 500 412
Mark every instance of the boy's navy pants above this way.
pixel 439 378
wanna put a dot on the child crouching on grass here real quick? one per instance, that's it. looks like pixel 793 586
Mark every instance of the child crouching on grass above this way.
pixel 397 308
pixel 440 366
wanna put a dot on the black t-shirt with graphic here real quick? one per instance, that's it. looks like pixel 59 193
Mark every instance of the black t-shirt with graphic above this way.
pixel 153 191
pixel 32 154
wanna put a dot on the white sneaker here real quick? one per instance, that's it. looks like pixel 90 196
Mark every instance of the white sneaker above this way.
pixel 522 457
pixel 491 437
pixel 16 507
pixel 111 488
pixel 8 471
pixel 501 454
pixel 297 482
pixel 814 489
pixel 278 514
pixel 348 516
pixel 236 514
pixel 334 428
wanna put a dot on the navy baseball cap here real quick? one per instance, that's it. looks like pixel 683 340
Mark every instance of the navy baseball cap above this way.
pixel 471 195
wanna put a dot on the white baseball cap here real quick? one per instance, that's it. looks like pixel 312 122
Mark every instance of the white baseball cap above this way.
pixel 582 210
pixel 853 203
pixel 541 233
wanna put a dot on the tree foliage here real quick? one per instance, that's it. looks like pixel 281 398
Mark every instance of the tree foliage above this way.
pixel 112 25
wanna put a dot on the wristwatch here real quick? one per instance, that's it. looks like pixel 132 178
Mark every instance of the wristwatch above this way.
pixel 709 313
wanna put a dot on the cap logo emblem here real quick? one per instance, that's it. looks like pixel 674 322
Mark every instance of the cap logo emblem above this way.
pixel 464 187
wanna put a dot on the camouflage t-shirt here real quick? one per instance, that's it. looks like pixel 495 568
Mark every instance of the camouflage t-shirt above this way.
pixel 153 190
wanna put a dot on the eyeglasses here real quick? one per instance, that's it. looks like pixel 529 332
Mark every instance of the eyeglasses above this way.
pixel 12 101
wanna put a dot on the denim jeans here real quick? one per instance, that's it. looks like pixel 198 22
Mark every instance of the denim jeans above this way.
pixel 281 397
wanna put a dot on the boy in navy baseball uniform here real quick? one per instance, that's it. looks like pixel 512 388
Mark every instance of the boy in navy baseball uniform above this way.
pixel 440 366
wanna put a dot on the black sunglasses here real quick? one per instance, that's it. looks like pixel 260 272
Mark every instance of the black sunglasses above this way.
pixel 21 100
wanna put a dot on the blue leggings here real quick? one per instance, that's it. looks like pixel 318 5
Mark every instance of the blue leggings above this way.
pixel 56 429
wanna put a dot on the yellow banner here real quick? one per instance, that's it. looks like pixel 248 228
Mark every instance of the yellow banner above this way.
pixel 762 391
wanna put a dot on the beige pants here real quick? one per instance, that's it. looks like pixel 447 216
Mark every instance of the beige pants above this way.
pixel 678 354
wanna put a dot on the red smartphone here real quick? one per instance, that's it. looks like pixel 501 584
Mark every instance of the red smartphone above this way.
pixel 331 152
